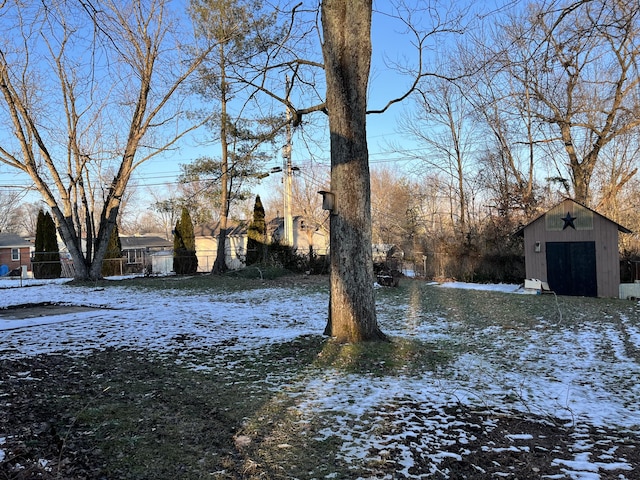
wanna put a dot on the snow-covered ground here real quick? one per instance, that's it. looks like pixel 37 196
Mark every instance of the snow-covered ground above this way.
pixel 584 375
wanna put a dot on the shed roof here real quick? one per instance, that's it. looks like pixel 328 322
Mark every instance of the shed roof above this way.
pixel 11 240
pixel 520 231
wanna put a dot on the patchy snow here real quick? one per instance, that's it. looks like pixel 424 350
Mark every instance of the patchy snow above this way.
pixel 150 320
pixel 583 376
pixel 499 287
pixel 582 467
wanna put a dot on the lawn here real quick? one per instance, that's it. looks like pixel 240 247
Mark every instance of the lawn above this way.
pixel 210 377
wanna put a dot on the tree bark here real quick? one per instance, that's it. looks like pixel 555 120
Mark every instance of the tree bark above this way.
pixel 346 27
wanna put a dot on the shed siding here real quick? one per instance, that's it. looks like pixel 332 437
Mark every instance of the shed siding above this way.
pixel 207 250
pixel 607 257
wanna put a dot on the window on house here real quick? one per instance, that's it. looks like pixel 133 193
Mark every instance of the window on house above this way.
pixel 15 254
pixel 135 256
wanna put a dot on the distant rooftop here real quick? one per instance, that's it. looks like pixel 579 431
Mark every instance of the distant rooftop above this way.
pixel 11 240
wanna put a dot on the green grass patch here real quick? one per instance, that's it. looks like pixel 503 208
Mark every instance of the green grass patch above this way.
pixel 259 272
pixel 134 415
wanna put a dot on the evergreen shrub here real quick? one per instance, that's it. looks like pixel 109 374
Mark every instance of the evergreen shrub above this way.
pixel 46 259
pixel 185 260
pixel 112 261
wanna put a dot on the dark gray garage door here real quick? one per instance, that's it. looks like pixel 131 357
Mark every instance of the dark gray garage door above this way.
pixel 571 268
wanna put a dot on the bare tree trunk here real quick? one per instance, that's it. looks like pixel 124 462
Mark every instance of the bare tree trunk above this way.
pixel 220 264
pixel 347 53
pixel 71 241
pixel 462 199
pixel 596 101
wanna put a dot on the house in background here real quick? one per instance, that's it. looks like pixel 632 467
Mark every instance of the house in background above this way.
pixel 138 249
pixel 15 253
pixel 207 245
pixel 575 250
pixel 305 235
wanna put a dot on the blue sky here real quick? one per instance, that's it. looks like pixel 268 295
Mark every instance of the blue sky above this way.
pixel 391 44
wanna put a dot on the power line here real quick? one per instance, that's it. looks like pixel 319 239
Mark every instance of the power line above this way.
pixel 405 155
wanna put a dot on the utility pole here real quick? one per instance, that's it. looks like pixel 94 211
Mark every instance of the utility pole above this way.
pixel 288 177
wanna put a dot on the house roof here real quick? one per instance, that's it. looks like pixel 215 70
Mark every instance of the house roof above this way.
pixel 520 231
pixel 11 240
pixel 239 228
pixel 234 228
pixel 143 241
pixel 277 223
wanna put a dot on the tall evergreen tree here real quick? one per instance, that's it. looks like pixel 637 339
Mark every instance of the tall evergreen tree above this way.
pixel 256 234
pixel 46 262
pixel 112 258
pixel 243 31
pixel 185 261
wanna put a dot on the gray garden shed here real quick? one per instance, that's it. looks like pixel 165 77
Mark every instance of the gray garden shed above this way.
pixel 575 250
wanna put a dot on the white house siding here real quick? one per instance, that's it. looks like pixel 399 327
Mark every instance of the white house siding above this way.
pixel 207 249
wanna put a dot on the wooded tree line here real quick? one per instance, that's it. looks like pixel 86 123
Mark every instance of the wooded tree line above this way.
pixel 539 103
pixel 522 108
pixel 512 107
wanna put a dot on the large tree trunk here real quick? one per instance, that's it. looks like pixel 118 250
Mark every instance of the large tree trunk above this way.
pixel 347 55
pixel 71 241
